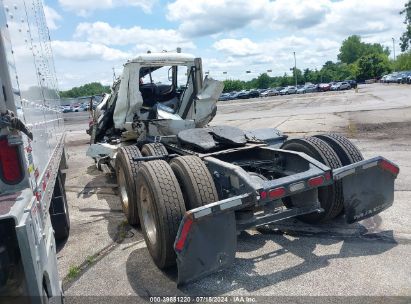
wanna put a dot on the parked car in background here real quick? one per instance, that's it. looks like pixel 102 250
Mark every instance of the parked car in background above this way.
pixel 403 77
pixel 270 92
pixel 310 88
pixel 352 83
pixel 253 94
pixel 340 86
pixel 323 87
pixel 335 86
pixel 224 97
pixel 301 89
pixel 288 90
pixel 66 109
pixel 344 85
pixel 76 107
pixel 84 107
pixel 243 95
pixel 234 95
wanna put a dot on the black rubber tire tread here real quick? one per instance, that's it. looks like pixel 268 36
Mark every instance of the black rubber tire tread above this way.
pixel 195 181
pixel 345 149
pixel 154 149
pixel 168 201
pixel 125 159
pixel 330 197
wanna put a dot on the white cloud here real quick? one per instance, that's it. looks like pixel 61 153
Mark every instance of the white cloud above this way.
pixel 142 39
pixel 238 47
pixel 83 51
pixel 206 17
pixel 295 14
pixel 270 54
pixel 52 17
pixel 324 17
pixel 86 7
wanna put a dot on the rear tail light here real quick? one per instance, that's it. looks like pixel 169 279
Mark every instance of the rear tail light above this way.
pixel 327 175
pixel 387 166
pixel 10 165
pixel 263 194
pixel 316 181
pixel 276 193
pixel 183 235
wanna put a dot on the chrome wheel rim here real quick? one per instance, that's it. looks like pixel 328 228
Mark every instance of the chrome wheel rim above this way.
pixel 147 211
pixel 123 191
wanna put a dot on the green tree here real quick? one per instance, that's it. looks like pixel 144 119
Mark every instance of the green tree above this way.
pixel 233 85
pixel 353 48
pixel 373 66
pixel 403 62
pixel 263 81
pixel 406 36
pixel 94 88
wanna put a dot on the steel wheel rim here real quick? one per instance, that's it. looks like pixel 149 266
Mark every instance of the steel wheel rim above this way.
pixel 147 211
pixel 123 190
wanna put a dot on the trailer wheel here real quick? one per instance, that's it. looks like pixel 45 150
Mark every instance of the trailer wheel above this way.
pixel 330 197
pixel 126 172
pixel 347 152
pixel 154 149
pixel 195 181
pixel 59 212
pixel 161 209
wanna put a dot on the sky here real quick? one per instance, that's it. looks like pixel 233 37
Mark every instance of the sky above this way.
pixel 91 37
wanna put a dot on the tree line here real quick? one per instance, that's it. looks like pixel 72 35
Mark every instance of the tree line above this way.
pixel 94 88
pixel 356 60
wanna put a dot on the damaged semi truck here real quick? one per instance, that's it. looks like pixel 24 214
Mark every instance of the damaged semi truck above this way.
pixel 193 187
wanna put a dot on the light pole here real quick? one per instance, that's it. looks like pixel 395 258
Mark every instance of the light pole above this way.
pixel 295 70
pixel 393 48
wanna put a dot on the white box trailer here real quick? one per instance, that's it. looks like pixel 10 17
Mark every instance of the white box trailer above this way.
pixel 33 206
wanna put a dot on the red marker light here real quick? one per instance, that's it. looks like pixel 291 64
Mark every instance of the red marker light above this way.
pixel 316 181
pixel 183 235
pixel 276 193
pixel 387 166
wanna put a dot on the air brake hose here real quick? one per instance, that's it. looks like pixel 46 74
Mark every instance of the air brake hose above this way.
pixel 9 119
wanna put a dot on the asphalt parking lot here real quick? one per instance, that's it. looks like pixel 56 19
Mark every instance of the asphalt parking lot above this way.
pixel 106 257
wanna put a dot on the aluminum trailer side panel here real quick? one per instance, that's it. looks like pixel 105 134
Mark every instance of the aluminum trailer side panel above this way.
pixel 29 89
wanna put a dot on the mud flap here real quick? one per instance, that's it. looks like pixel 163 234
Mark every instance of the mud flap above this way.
pixel 368 187
pixel 210 246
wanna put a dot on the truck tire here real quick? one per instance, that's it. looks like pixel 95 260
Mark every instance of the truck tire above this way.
pixel 126 172
pixel 195 181
pixel 161 209
pixel 347 152
pixel 330 197
pixel 59 212
pixel 154 149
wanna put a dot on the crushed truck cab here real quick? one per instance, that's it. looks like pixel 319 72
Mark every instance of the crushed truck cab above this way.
pixel 194 187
